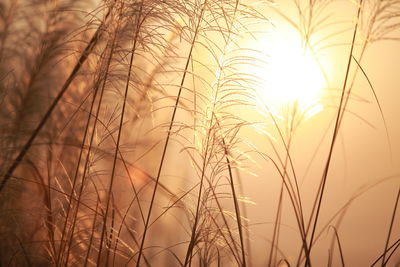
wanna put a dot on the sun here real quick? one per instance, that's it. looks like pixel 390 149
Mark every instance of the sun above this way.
pixel 290 75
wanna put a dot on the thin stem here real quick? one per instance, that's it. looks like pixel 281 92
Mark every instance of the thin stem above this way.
pixel 168 138
pixel 390 227
pixel 335 133
pixel 120 128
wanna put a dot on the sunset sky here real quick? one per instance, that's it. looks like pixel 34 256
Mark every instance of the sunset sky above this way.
pixel 199 132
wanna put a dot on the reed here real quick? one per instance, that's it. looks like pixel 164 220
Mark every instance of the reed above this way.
pixel 131 133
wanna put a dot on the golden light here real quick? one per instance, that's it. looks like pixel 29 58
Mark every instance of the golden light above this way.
pixel 290 75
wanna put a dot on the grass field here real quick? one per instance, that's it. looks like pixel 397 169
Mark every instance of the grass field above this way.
pixel 199 133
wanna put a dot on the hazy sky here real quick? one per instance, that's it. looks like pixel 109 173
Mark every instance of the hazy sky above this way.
pixel 362 155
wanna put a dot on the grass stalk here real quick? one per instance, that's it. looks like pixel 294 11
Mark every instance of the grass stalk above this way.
pixel 168 136
pixel 321 190
pixel 390 228
pixel 139 22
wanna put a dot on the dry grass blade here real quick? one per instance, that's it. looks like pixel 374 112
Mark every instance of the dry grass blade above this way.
pixel 320 194
pixel 390 228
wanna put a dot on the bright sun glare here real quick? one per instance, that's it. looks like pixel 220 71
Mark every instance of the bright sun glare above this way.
pixel 289 75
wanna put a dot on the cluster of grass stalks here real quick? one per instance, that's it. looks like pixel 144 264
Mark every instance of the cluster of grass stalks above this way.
pixel 123 132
